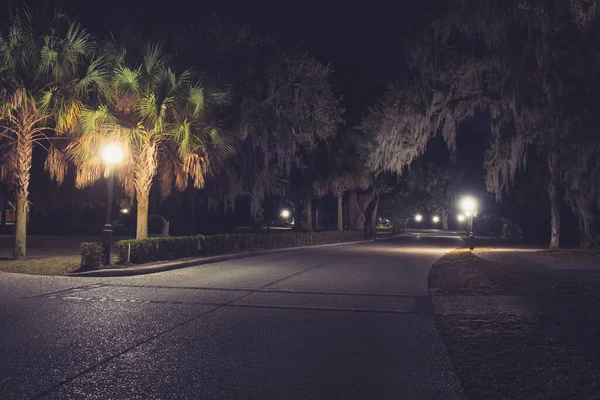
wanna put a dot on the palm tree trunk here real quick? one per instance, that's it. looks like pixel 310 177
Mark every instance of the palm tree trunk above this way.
pixel 22 175
pixel 553 191
pixel 145 171
pixel 340 214
pixel 141 231
pixel 445 220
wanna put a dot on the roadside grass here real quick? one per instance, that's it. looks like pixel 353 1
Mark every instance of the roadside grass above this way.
pixel 550 355
pixel 54 265
pixel 462 272
pixel 581 255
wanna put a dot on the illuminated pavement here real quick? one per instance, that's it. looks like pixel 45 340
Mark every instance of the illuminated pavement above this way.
pixel 343 322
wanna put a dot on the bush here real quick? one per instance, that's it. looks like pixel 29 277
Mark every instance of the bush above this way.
pixel 170 248
pixel 91 256
pixel 511 231
pixel 156 249
pixel 591 242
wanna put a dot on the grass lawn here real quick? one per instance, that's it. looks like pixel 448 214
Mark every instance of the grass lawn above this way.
pixel 587 256
pixel 55 265
pixel 46 255
pixel 554 354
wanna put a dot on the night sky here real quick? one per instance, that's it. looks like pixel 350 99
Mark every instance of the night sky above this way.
pixel 362 43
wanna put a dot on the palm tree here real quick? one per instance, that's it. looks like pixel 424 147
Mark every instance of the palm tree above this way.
pixel 46 73
pixel 162 120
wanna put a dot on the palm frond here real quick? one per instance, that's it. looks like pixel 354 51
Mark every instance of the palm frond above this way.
pixel 222 146
pixel 64 107
pixel 56 165
pixel 197 99
pixel 88 173
pixel 77 40
pixel 126 80
pixel 95 78
pixel 153 58
pixel 92 119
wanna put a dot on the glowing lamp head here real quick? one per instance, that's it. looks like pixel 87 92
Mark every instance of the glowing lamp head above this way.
pixel 285 213
pixel 460 218
pixel 468 204
pixel 435 219
pixel 418 218
pixel 112 154
pixel 125 211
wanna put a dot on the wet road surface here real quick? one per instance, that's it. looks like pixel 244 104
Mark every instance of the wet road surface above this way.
pixel 344 322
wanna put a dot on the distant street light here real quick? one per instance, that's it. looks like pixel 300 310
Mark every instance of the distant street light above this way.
pixel 285 214
pixel 461 218
pixel 435 219
pixel 125 211
pixel 112 155
pixel 469 206
pixel 418 218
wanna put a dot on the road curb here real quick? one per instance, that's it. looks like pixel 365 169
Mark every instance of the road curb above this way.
pixel 114 272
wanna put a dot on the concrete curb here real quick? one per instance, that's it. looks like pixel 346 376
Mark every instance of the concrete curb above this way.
pixel 112 272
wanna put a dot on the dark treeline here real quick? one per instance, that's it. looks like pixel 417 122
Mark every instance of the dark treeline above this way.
pixel 222 124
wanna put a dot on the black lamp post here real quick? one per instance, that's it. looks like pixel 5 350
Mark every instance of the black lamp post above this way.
pixel 112 155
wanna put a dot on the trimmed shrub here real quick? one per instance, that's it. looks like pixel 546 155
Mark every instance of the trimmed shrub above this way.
pixel 91 256
pixel 511 231
pixel 170 248
pixel 160 248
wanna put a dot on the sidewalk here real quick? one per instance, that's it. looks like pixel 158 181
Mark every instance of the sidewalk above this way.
pixel 519 324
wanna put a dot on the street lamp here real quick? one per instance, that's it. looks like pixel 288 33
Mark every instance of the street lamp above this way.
pixel 469 206
pixel 435 219
pixel 460 218
pixel 285 213
pixel 112 155
pixel 418 218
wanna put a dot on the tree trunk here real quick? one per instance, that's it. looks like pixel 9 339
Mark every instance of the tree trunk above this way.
pixel 308 205
pixel 553 191
pixel 353 210
pixel 445 220
pixel 340 214
pixel 144 172
pixel 317 216
pixel 3 205
pixel 357 206
pixel 374 216
pixel 22 175
pixel 586 213
pixel 141 231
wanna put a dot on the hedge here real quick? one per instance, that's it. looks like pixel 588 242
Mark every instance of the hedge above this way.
pixel 170 248
pixel 91 256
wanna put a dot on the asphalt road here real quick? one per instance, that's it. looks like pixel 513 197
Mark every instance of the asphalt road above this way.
pixel 347 322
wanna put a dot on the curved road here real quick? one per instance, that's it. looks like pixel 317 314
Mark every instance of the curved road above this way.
pixel 351 321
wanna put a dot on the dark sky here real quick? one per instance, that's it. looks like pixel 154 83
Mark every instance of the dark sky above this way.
pixel 361 39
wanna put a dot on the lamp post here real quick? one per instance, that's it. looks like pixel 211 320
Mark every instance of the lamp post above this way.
pixel 418 218
pixel 112 155
pixel 469 205
pixel 435 219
